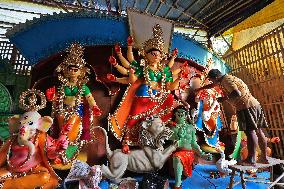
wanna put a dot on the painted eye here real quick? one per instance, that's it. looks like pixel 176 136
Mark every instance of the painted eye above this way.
pixel 31 123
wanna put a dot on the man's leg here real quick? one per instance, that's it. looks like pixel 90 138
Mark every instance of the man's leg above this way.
pixel 262 142
pixel 251 145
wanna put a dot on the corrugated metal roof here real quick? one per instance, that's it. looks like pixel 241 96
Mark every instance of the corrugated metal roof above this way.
pixel 215 16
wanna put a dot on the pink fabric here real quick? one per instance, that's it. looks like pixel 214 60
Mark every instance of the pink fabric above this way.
pixel 20 155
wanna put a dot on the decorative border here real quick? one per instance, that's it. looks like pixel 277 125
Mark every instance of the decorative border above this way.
pixel 228 68
pixel 21 27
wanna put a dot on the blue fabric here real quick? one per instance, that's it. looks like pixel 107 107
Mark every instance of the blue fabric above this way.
pixel 214 140
pixel 51 34
pixel 192 50
pixel 80 109
pixel 201 180
pixel 142 91
pixel 199 121
pixel 219 123
pixel 199 125
pixel 104 185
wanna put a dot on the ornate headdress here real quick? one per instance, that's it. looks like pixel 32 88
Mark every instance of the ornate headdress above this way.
pixel 73 58
pixel 157 42
pixel 28 100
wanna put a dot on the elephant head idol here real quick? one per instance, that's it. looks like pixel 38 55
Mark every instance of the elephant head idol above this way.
pixel 25 155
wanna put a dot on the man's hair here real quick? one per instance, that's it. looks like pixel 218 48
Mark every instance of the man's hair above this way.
pixel 214 73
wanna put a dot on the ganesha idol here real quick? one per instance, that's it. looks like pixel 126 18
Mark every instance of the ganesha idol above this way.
pixel 150 82
pixel 24 158
pixel 208 119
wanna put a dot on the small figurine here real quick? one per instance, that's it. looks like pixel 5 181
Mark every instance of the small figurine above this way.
pixel 152 156
pixel 250 115
pixel 149 93
pixel 25 155
pixel 184 135
pixel 67 103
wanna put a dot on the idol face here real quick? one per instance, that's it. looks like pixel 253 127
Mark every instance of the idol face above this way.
pixel 180 114
pixel 73 72
pixel 154 57
pixel 195 83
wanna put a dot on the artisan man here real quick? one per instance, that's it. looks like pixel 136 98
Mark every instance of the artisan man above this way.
pixel 250 115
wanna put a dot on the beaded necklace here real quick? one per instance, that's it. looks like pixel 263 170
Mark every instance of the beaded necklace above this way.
pixel 158 97
pixel 67 111
pixel 29 155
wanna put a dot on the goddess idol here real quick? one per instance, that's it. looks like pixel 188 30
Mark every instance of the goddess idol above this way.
pixel 25 156
pixel 150 82
pixel 73 116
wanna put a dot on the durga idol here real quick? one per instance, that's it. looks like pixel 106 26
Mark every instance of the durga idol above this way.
pixel 150 83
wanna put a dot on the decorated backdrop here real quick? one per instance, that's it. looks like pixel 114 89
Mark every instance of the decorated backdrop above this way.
pixel 43 37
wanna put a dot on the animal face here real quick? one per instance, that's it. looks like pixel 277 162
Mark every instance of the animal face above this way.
pixel 154 133
pixel 30 120
pixel 156 126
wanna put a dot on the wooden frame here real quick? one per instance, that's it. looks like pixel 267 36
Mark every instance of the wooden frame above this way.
pixel 260 64
pixel 9 51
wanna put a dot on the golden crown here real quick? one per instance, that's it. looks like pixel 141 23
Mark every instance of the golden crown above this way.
pixel 157 42
pixel 74 57
pixel 28 100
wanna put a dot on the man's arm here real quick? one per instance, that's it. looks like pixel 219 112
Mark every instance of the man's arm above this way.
pixel 212 85
pixel 234 94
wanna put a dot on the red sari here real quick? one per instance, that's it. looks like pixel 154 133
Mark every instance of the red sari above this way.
pixel 125 122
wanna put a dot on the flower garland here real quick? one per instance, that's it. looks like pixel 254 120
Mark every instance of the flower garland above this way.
pixel 67 111
pixel 59 108
pixel 35 142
